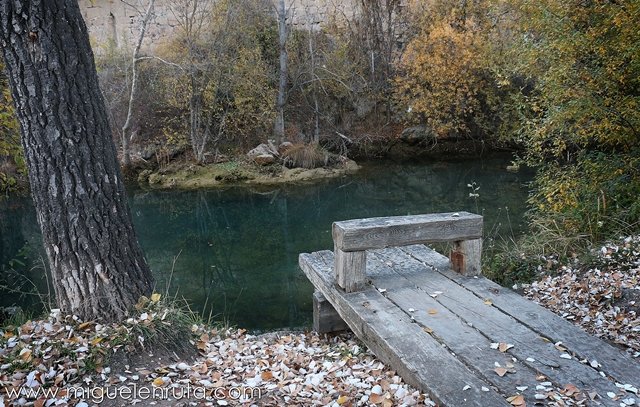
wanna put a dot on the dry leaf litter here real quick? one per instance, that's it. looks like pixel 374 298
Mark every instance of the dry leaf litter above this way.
pixel 296 369
pixel 603 298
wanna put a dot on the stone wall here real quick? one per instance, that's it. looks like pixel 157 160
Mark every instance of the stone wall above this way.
pixel 118 22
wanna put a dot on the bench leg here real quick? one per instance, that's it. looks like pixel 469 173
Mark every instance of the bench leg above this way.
pixel 350 269
pixel 465 257
pixel 325 317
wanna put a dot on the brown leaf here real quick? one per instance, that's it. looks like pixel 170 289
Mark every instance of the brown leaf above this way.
pixel 501 371
pixel 570 389
pixel 267 375
pixel 503 347
pixel 517 400
pixel 376 398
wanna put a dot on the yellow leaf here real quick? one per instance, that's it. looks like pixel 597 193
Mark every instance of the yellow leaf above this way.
pixel 432 311
pixel 96 340
pixel 427 329
pixel 155 297
pixel 84 325
pixel 158 382
pixel 25 354
pixel 487 301
pixel 342 399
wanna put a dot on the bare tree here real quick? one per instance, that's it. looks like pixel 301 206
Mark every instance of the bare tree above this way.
pixel 283 34
pixel 126 137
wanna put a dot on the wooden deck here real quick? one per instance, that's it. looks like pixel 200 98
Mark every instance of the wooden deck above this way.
pixel 439 329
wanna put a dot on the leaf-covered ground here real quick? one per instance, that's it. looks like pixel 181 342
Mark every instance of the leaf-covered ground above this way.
pixel 294 369
pixel 601 295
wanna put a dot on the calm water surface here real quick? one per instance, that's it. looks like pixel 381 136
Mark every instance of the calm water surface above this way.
pixel 233 252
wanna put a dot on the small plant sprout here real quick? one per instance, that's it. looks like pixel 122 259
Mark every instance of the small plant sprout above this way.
pixel 474 194
pixel 474 190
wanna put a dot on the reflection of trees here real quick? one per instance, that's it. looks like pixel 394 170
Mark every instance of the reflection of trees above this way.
pixel 253 238
pixel 20 239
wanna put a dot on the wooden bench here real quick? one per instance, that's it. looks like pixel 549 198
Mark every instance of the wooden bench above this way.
pixel 352 238
pixel 437 321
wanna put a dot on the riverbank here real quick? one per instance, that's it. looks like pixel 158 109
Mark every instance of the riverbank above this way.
pixel 296 163
pixel 189 176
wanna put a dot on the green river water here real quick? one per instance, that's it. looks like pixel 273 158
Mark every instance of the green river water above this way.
pixel 236 248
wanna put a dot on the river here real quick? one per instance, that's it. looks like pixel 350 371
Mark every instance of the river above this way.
pixel 232 252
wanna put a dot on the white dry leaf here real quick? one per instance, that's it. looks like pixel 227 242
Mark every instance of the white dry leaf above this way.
pixel 611 395
pixel 467 387
pixel 594 364
pixel 412 310
pixel 530 359
pixel 382 290
pixel 522 388
pixel 565 356
pixel 495 345
pixel 484 388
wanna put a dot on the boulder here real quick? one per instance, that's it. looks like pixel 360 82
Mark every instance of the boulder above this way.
pixel 264 159
pixel 264 154
pixel 417 135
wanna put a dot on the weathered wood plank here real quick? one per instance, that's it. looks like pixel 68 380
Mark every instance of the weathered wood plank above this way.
pixel 499 327
pixel 466 257
pixel 373 233
pixel 469 345
pixel 325 317
pixel 403 345
pixel 545 323
pixel 350 269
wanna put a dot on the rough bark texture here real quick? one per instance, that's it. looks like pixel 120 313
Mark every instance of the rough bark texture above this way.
pixel 96 263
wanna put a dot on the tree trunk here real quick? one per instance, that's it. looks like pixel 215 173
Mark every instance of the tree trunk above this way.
pixel 278 130
pixel 126 137
pixel 97 266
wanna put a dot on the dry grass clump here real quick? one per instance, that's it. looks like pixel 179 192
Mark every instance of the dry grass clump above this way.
pixel 305 156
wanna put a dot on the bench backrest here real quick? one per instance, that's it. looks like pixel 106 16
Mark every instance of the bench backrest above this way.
pixel 352 237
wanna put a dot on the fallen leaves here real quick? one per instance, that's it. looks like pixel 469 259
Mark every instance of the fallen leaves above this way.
pixel 602 297
pixel 517 400
pixel 501 346
pixel 294 369
pixel 500 371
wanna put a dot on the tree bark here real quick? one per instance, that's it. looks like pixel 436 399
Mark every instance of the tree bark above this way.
pixel 98 269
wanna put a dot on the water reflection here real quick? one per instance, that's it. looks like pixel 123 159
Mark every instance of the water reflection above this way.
pixel 233 253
